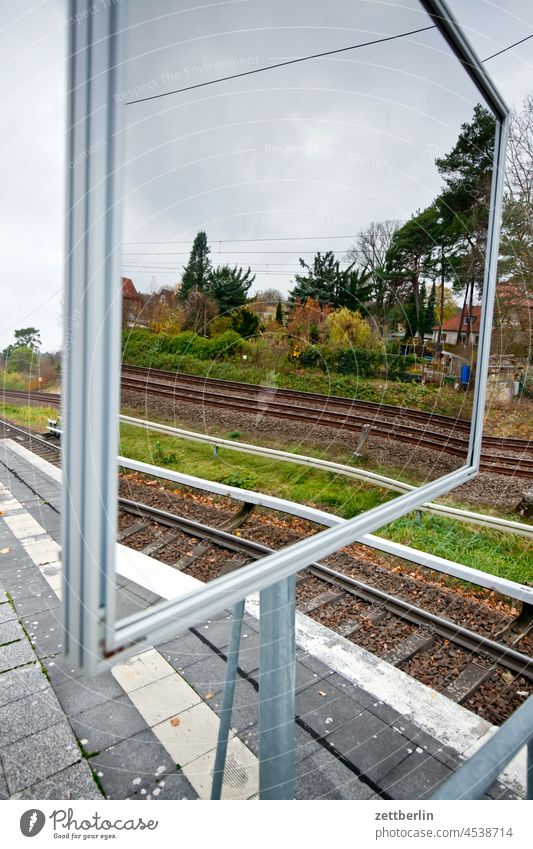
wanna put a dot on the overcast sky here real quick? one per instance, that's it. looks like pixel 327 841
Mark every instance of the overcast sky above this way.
pixel 318 149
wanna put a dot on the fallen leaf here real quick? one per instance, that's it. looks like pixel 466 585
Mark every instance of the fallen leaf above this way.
pixel 208 696
pixel 175 721
pixel 5 550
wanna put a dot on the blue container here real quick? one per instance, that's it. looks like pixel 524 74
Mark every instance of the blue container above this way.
pixel 465 375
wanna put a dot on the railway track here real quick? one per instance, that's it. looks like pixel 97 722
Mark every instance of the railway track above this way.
pixel 349 405
pixel 472 654
pixel 521 465
pixel 461 661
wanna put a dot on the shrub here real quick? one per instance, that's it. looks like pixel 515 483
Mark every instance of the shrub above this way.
pixel 353 361
pixel 166 351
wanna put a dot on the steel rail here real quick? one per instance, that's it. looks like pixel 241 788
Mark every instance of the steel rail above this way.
pixel 295 395
pixel 504 655
pixel 350 404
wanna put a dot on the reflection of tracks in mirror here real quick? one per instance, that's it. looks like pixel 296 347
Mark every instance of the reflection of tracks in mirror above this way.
pixel 498 464
pixel 464 662
pixel 386 421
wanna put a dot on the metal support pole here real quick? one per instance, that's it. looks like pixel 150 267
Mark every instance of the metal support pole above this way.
pixel 227 703
pixel 276 690
pixel 529 793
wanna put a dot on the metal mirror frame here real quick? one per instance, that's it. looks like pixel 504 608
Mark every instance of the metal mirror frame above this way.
pixel 92 362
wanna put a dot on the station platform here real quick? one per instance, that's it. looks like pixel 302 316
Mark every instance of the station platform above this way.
pixel 147 728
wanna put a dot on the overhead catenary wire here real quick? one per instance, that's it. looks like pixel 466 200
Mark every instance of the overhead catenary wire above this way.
pixel 309 57
pixel 509 47
pixel 283 64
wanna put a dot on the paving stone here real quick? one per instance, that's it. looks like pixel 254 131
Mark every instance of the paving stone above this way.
pixel 312 663
pixel 80 694
pixel 4 790
pixel 217 631
pixel 141 669
pixel 136 590
pixel 373 747
pixel 366 700
pixel 11 631
pixel 39 756
pixel 192 736
pixel 322 776
pixel 60 670
pixel 184 650
pixel 304 676
pixel 241 774
pixel 107 724
pixel 6 613
pixel 245 713
pixel 44 599
pixel 163 699
pixel 18 683
pixel 500 791
pixel 206 676
pixel 250 737
pixel 140 761
pixel 16 654
pixel 422 739
pixel 324 708
pixel 74 782
pixel 128 603
pixel 249 653
pixel 173 786
pixel 416 777
pixel 17 578
pixel 28 715
pixel 45 631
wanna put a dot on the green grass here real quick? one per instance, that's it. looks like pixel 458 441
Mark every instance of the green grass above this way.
pixel 35 418
pixel 325 490
pixel 505 555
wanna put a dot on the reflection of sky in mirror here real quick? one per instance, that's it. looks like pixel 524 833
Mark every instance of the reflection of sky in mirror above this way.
pixel 319 148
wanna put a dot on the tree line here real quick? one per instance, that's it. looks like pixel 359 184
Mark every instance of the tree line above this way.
pixel 398 272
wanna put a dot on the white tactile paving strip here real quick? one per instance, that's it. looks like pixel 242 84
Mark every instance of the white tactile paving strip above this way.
pixel 183 723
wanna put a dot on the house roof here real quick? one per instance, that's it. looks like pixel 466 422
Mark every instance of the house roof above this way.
pixel 128 289
pixel 453 322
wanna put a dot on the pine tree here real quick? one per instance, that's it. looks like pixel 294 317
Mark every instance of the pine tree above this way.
pixel 430 312
pixel 197 271
pixel 279 313
pixel 229 287
pixel 331 285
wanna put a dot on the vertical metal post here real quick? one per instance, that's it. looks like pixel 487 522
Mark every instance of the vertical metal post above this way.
pixel 276 690
pixel 227 703
pixel 529 788
pixel 92 325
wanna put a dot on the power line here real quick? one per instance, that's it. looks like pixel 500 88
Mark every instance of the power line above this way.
pixel 258 239
pixel 220 253
pixel 510 47
pixel 279 65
